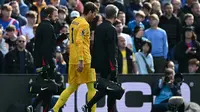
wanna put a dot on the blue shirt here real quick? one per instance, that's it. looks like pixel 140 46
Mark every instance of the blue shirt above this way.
pixel 133 24
pixel 6 23
pixel 165 93
pixel 158 38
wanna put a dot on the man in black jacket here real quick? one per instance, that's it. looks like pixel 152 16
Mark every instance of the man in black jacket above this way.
pixel 104 55
pixel 45 41
pixel 44 55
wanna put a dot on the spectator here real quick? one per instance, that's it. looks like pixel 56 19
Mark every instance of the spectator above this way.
pixel 195 8
pixel 23 7
pixel 27 30
pixel 156 8
pixel 30 46
pixel 187 7
pixel 1 62
pixel 171 24
pixel 3 44
pixel 147 7
pixel 188 20
pixel 55 3
pixel 16 14
pixel 193 66
pixel 126 58
pixel 138 38
pixel 170 64
pixel 139 17
pixel 73 15
pixel 75 5
pixel 178 11
pixel 6 19
pixel 11 37
pixel 119 5
pixel 132 8
pixel 187 49
pixel 66 56
pixel 144 59
pixel 62 14
pixel 119 28
pixel 63 37
pixel 158 38
pixel 38 6
pixel 19 60
pixel 122 17
pixel 164 90
pixel 60 62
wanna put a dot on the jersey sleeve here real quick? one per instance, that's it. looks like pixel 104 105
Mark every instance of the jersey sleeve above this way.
pixel 81 31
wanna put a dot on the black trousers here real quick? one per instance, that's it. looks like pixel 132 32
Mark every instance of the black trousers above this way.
pixel 45 98
pixel 111 101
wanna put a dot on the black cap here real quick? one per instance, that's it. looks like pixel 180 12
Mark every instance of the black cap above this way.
pixel 189 28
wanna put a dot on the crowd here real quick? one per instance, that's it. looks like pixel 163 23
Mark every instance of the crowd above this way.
pixel 151 34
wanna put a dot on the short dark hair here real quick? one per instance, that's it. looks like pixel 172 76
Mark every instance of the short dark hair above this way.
pixel 167 4
pixel 48 11
pixel 111 11
pixel 89 6
pixel 31 14
pixel 148 43
pixel 147 6
pixel 62 9
pixel 11 28
pixel 136 30
pixel 193 4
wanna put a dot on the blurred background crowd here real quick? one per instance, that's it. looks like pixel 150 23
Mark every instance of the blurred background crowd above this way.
pixel 152 35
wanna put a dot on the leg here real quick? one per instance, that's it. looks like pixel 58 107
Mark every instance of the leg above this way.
pixel 64 96
pixel 111 101
pixel 99 95
pixel 47 101
pixel 91 93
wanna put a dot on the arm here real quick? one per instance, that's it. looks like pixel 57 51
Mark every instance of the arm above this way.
pixel 158 87
pixel 112 48
pixel 179 30
pixel 152 64
pixel 165 45
pixel 135 69
pixel 31 64
pixel 79 40
pixel 46 47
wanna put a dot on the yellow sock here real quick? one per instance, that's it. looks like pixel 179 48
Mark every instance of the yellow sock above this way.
pixel 64 96
pixel 91 93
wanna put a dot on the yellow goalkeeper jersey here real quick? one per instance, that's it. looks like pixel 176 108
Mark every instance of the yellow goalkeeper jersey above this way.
pixel 79 36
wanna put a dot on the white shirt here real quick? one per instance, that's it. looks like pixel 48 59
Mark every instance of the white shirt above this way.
pixel 27 31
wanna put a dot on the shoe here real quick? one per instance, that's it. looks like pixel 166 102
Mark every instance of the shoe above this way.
pixel 51 110
pixel 85 108
pixel 29 108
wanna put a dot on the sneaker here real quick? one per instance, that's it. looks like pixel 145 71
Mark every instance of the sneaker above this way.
pixel 51 110
pixel 85 108
pixel 29 108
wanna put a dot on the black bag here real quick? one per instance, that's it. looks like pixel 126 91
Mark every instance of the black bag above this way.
pixel 17 107
pixel 41 84
pixel 112 88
